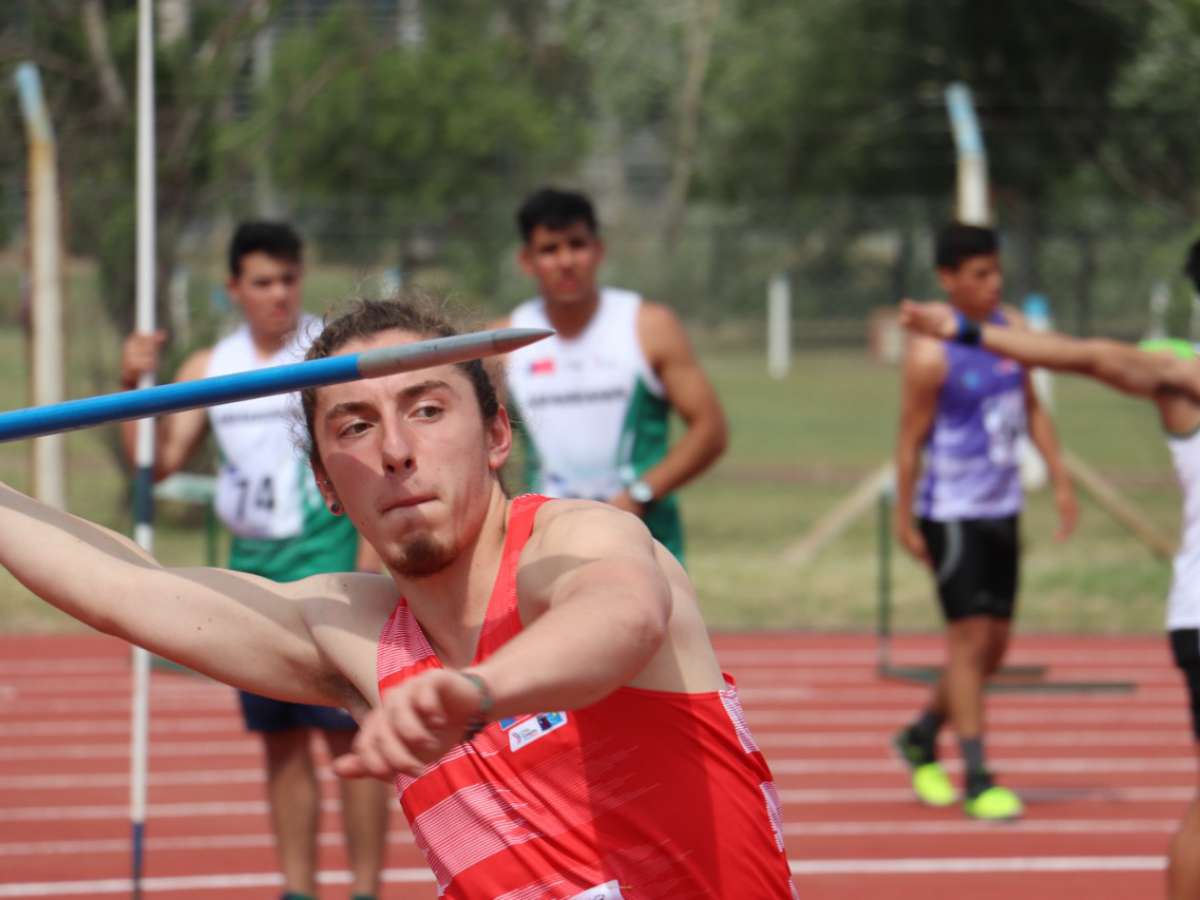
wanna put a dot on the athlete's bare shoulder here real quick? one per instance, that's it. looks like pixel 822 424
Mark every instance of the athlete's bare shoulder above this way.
pixel 585 527
pixel 924 358
pixel 195 365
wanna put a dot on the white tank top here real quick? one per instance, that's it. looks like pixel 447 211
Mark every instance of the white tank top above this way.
pixel 1183 606
pixel 265 487
pixel 587 404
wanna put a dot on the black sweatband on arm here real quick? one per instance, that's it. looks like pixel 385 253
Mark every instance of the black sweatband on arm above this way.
pixel 968 332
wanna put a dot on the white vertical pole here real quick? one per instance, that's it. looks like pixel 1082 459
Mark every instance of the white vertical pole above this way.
pixel 46 305
pixel 144 480
pixel 779 326
pixel 972 194
pixel 1160 300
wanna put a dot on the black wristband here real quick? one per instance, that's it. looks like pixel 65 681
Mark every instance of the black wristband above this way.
pixel 968 332
pixel 486 702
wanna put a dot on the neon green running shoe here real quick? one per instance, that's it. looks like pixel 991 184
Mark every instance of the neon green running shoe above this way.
pixel 929 780
pixel 994 805
pixel 932 786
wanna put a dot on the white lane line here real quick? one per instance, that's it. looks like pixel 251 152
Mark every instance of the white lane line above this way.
pixel 397 834
pixel 1144 674
pixel 77 781
pixel 968 865
pixel 959 827
pixel 1150 656
pixel 119 812
pixel 224 699
pixel 87 685
pixel 1059 765
pixel 780 760
pixel 117 726
pixel 78 665
pixel 401 836
pixel 905 695
pixel 240 747
pixel 1175 713
pixel 1031 795
pixel 1117 736
pixel 902 696
pixel 978 865
pixel 1164 737
pixel 193 883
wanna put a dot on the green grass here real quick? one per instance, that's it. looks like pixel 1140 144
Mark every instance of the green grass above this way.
pixel 798 446
pixel 801 444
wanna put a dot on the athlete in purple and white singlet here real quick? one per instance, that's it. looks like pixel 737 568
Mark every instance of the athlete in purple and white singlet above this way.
pixel 972 464
pixel 963 413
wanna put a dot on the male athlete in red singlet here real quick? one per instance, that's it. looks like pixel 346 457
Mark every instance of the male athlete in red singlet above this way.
pixel 534 674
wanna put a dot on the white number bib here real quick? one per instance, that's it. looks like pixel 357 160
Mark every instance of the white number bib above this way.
pixel 1004 421
pixel 260 502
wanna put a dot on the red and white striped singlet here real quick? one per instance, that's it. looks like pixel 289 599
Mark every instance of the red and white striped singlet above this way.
pixel 645 794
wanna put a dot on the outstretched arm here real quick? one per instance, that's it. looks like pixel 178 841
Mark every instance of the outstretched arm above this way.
pixel 237 628
pixel 1118 365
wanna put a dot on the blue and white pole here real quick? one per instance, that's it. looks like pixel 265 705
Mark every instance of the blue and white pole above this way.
pixel 972 194
pixel 143 486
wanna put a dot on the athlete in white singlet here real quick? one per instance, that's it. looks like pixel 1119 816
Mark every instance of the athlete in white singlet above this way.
pixel 1168 373
pixel 594 401
pixel 267 497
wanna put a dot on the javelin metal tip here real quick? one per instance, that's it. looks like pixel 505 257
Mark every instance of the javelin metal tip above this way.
pixel 509 339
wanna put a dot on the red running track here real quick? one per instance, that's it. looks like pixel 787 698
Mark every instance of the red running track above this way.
pixel 1105 776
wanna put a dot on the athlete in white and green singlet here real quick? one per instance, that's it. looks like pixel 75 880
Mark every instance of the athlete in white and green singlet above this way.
pixel 282 530
pixel 594 402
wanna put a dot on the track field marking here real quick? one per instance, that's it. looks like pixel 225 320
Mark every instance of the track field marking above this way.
pixel 241 747
pixel 106 684
pixel 1031 795
pixel 909 696
pixel 857 658
pixel 751 676
pixel 78 665
pixel 25 706
pixel 1112 738
pixel 119 812
pixel 118 726
pixel 120 846
pixel 961 827
pixel 401 836
pixel 1060 765
pixel 978 865
pixel 973 865
pixel 1174 713
pixel 194 883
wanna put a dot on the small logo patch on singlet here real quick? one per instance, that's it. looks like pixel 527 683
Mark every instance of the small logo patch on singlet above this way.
pixel 527 730
pixel 608 891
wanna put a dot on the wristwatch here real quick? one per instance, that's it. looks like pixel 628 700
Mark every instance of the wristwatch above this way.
pixel 641 491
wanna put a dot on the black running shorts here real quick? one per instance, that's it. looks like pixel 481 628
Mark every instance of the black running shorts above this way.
pixel 1185 647
pixel 976 563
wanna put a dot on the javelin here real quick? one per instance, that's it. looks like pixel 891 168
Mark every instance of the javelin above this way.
pixel 166 398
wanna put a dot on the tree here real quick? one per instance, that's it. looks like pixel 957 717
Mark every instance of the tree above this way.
pixel 389 147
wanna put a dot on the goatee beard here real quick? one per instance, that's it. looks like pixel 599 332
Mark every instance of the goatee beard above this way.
pixel 422 557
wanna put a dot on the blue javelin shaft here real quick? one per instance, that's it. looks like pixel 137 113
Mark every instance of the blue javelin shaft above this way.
pixel 38 420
